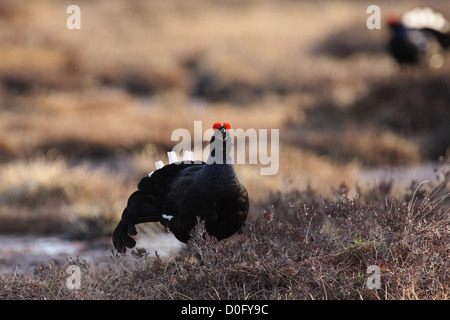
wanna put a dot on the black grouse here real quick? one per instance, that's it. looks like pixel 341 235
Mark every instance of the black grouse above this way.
pixel 176 194
pixel 419 37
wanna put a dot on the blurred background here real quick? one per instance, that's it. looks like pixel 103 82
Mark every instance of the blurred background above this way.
pixel 84 114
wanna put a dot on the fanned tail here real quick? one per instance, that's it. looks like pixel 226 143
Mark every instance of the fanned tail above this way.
pixel 430 20
pixel 143 206
pixel 442 38
pixel 146 204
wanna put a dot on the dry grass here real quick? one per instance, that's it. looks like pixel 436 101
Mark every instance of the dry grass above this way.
pixel 303 247
pixel 277 75
pixel 47 195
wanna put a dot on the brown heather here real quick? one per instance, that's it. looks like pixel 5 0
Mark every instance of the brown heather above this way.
pixel 303 246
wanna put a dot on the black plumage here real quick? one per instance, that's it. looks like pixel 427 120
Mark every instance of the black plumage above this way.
pixel 178 193
pixel 419 37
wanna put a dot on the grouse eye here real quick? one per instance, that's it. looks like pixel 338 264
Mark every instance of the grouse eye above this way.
pixel 227 125
pixel 217 126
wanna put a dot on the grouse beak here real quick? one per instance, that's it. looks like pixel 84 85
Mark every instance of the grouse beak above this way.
pixel 224 132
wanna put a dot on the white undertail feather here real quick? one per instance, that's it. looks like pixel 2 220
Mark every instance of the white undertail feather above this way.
pixel 172 157
pixel 159 164
pixel 419 18
pixel 188 156
pixel 168 217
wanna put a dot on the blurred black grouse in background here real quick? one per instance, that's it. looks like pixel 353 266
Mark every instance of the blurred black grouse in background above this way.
pixel 178 193
pixel 419 36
